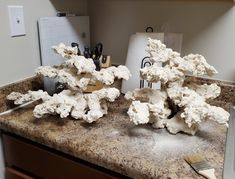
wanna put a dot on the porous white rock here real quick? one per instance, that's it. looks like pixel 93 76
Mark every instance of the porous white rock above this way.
pixel 64 76
pixel 165 74
pixel 211 91
pixel 97 107
pixel 182 96
pixel 107 75
pixel 193 113
pixel 153 110
pixel 200 66
pixel 61 104
pixel 65 51
pixel 76 73
pixel 158 51
pixel 88 107
pixel 151 95
pixel 179 107
pixel 177 124
pixel 139 112
pixel 19 98
pixel 82 64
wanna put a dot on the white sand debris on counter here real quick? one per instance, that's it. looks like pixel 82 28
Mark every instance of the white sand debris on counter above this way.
pixel 159 144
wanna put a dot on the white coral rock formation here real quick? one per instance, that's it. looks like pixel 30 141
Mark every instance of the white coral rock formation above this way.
pixel 179 107
pixel 76 73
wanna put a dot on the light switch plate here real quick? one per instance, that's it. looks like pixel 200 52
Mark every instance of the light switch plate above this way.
pixel 16 18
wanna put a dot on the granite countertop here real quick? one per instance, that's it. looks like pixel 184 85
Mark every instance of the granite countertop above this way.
pixel 117 144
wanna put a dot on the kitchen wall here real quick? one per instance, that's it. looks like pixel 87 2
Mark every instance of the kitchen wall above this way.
pixel 19 56
pixel 208 27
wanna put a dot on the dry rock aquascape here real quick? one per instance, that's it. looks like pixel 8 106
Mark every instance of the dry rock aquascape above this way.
pixel 76 73
pixel 179 107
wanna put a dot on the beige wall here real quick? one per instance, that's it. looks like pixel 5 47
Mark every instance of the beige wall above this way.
pixel 19 56
pixel 208 27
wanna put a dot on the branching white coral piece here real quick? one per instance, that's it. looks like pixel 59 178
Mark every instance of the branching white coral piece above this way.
pixel 164 74
pixel 19 98
pixel 82 64
pixel 180 107
pixel 207 91
pixel 61 104
pixel 201 67
pixel 65 51
pixel 76 73
pixel 107 75
pixel 89 107
pixel 177 124
pixel 175 67
pixel 64 76
pixel 152 96
pixel 196 113
pixel 47 71
pixel 182 96
pixel 158 51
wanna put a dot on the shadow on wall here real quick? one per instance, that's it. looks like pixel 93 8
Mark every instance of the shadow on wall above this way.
pixel 208 27
pixel 203 19
pixel 118 19
pixel 76 6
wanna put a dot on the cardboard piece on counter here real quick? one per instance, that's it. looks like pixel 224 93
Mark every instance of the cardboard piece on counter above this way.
pixel 97 86
pixel 106 59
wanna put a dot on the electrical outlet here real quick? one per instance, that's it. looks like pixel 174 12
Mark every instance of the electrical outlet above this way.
pixel 16 18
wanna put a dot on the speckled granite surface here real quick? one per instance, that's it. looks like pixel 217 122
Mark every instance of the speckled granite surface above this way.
pixel 117 144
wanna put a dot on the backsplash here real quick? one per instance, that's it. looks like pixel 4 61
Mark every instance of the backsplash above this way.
pixel 227 96
pixel 225 100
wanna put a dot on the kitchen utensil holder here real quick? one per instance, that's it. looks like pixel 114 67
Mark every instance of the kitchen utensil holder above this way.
pixel 145 62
